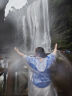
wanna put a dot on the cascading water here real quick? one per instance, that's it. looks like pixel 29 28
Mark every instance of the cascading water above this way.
pixel 36 30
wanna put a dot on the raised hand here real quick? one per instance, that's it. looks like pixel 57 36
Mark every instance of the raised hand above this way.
pixel 55 49
pixel 19 53
pixel 16 49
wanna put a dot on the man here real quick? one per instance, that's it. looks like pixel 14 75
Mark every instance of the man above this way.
pixel 39 74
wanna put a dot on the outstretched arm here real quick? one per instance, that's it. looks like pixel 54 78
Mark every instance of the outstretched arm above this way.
pixel 55 49
pixel 52 57
pixel 20 53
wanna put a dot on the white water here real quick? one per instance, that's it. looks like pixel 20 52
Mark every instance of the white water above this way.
pixel 36 32
pixel 36 26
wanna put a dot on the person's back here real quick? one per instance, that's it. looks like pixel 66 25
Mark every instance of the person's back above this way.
pixel 39 73
pixel 40 70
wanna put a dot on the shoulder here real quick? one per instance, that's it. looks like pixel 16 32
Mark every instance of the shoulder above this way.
pixel 51 55
pixel 30 58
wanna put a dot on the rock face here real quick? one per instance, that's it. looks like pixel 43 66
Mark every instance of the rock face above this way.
pixel 2 7
pixel 36 26
pixel 3 4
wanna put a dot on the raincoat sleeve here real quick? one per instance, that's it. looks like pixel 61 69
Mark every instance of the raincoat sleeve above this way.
pixel 51 58
pixel 31 61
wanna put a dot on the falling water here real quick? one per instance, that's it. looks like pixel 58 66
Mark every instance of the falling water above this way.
pixel 36 30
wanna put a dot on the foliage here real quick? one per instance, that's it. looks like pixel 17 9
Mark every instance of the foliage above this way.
pixel 62 23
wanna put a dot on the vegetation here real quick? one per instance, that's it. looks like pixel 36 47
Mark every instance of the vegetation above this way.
pixel 61 24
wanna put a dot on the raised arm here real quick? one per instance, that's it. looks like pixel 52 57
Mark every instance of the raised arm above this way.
pixel 55 49
pixel 20 53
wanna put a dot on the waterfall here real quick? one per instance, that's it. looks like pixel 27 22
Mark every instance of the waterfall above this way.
pixel 36 32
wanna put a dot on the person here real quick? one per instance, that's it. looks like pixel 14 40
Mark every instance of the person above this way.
pixel 39 75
